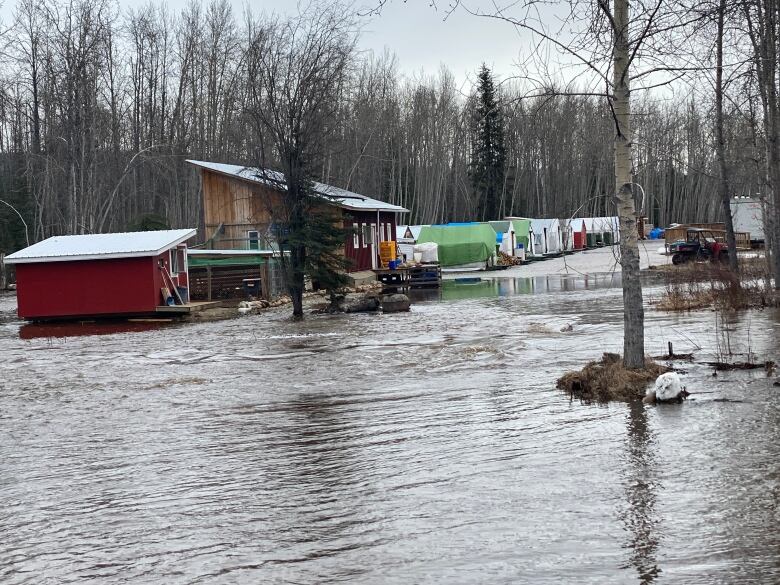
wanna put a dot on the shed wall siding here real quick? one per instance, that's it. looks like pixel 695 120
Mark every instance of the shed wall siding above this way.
pixel 361 256
pixel 86 288
pixel 241 206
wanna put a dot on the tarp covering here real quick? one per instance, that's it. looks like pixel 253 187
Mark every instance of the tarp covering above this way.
pixel 226 261
pixel 547 236
pixel 522 231
pixel 521 227
pixel 461 243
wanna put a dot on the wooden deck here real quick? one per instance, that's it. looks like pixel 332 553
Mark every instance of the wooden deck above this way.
pixel 187 308
pixel 421 276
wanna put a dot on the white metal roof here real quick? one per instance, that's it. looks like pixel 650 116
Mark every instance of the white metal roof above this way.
pixel 340 197
pixel 101 246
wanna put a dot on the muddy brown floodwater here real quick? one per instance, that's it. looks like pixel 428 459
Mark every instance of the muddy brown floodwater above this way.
pixel 428 447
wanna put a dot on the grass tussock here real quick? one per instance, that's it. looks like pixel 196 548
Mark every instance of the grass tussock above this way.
pixel 702 286
pixel 607 380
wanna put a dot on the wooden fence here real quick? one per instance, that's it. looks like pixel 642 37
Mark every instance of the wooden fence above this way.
pixel 718 230
pixel 209 283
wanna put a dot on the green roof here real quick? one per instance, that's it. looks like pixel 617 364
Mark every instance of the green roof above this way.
pixel 194 262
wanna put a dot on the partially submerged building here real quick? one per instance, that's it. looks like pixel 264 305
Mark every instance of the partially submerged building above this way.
pixel 464 246
pixel 241 207
pixel 102 275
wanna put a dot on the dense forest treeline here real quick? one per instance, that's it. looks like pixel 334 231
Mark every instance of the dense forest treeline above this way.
pixel 100 107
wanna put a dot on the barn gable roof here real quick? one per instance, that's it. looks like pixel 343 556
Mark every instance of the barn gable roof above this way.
pixel 340 197
pixel 101 246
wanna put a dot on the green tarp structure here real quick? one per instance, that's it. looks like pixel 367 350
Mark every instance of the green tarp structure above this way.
pixel 234 261
pixel 521 227
pixel 523 232
pixel 462 243
pixel 500 227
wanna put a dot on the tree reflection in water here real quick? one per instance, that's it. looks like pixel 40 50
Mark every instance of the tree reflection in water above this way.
pixel 639 517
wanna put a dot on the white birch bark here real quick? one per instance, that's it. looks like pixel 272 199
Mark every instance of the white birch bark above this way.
pixel 633 309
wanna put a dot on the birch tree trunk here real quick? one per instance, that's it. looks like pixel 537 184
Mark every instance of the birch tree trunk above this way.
pixel 633 309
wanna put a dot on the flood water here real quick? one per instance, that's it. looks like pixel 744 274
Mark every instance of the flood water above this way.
pixel 428 447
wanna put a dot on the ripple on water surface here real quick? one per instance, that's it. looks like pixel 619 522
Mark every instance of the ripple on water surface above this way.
pixel 424 447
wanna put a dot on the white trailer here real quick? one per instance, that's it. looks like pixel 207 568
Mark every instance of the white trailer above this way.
pixel 748 216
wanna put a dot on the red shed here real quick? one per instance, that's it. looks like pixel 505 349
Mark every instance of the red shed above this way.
pixel 100 275
pixel 580 233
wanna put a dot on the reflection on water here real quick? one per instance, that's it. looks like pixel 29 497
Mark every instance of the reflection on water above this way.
pixel 486 286
pixel 428 446
pixel 639 517
pixel 81 328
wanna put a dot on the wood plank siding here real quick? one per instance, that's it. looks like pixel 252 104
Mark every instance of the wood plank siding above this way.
pixel 232 207
pixel 238 207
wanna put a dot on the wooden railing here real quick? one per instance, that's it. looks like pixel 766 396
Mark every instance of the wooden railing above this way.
pixel 718 230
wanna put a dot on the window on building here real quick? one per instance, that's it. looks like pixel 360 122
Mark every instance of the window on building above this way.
pixel 381 232
pixel 373 233
pixel 366 234
pixel 253 240
pixel 175 266
pixel 355 236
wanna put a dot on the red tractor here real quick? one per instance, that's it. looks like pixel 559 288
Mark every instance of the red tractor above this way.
pixel 698 246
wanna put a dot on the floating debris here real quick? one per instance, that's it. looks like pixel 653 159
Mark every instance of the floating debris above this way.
pixel 608 380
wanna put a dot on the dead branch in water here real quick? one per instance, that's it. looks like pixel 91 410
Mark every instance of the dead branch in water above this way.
pixel 768 365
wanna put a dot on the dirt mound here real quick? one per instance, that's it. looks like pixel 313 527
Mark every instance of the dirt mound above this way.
pixel 607 379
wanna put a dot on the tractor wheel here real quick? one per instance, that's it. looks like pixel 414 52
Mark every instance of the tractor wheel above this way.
pixel 678 259
pixel 723 257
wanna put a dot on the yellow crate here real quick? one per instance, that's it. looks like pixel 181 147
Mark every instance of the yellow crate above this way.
pixel 387 251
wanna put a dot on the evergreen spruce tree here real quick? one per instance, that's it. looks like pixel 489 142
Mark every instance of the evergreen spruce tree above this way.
pixel 311 236
pixel 487 168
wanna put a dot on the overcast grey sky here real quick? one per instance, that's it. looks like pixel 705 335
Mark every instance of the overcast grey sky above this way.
pixel 421 37
pixel 413 30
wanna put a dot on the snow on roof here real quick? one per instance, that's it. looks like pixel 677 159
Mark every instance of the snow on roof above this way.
pixel 101 246
pixel 340 197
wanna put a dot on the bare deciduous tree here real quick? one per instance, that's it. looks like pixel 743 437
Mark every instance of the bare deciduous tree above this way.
pixel 299 67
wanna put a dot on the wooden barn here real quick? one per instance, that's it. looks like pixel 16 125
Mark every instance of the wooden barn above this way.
pixel 101 275
pixel 239 204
